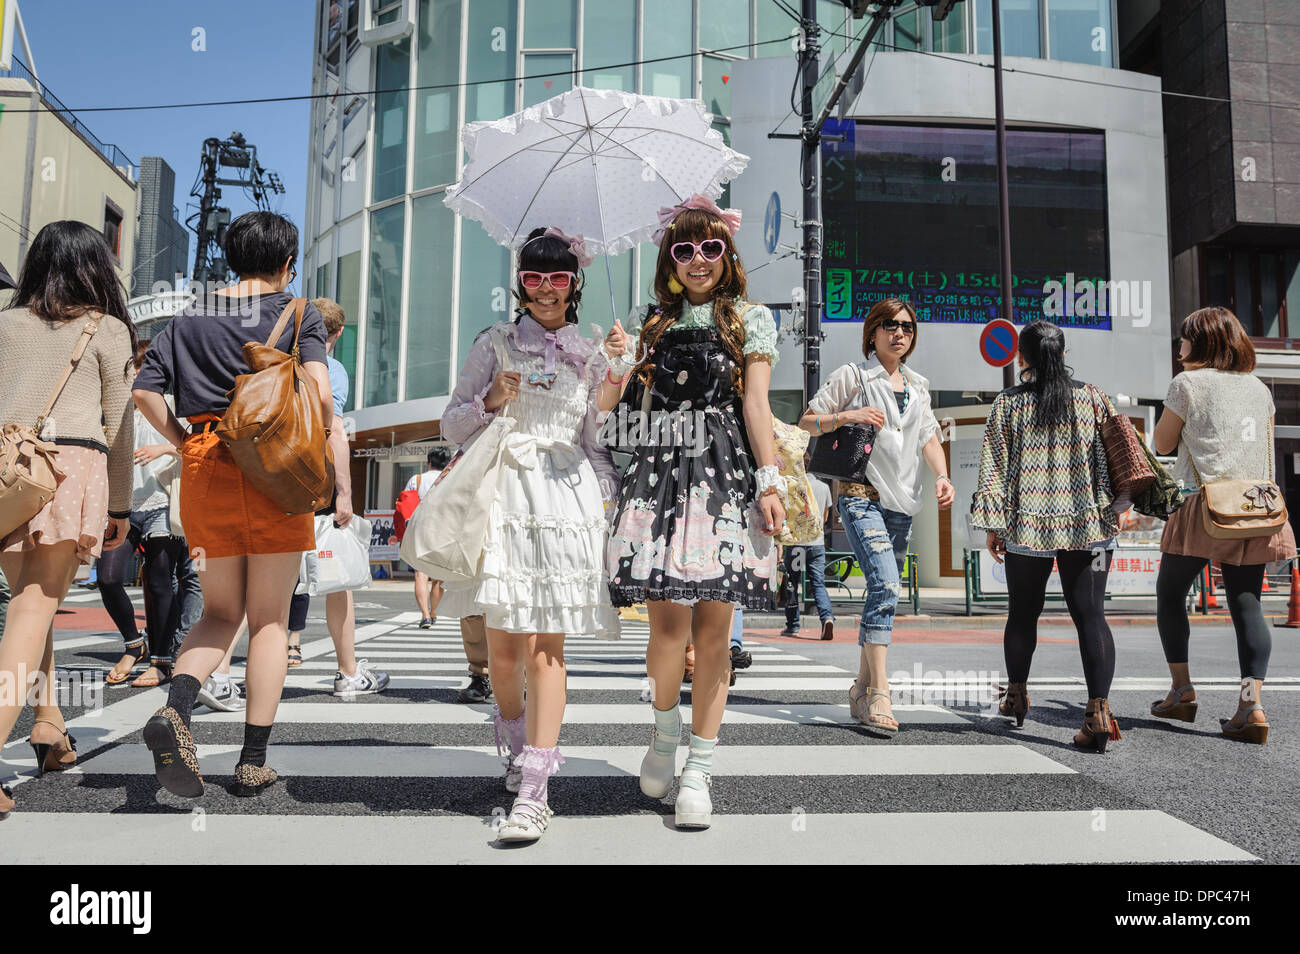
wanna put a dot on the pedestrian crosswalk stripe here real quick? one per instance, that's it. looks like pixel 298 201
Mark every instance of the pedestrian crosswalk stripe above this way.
pixel 585 679
pixel 369 709
pixel 787 837
pixel 606 761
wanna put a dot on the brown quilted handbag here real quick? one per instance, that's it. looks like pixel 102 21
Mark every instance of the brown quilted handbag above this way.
pixel 1126 459
pixel 275 427
pixel 1130 471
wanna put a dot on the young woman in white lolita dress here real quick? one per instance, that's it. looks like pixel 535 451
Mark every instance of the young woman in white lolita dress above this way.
pixel 543 572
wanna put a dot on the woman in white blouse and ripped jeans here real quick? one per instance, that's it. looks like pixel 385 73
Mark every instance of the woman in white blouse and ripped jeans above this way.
pixel 878 516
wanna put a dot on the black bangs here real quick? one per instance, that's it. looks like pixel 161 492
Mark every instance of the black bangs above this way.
pixel 546 254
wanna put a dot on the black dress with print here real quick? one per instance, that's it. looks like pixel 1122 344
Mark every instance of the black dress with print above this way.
pixel 686 527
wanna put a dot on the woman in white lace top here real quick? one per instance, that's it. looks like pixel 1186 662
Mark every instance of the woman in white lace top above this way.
pixel 1219 416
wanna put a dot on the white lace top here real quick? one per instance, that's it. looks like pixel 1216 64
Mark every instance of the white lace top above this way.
pixel 1227 416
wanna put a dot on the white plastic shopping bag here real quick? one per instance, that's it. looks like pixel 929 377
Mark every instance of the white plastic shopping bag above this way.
pixel 341 560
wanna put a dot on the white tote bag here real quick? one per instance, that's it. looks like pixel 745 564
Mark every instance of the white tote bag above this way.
pixel 445 536
pixel 341 560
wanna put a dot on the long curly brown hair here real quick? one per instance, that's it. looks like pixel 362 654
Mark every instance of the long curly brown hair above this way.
pixel 696 225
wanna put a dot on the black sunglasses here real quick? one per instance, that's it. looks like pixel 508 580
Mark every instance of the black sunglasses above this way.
pixel 893 324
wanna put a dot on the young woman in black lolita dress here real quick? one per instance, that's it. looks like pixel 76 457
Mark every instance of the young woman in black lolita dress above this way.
pixel 696 514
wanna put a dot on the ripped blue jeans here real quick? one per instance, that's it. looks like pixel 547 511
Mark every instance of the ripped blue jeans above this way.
pixel 878 537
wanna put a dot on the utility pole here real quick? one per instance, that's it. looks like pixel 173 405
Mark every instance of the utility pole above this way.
pixel 1004 198
pixel 810 169
pixel 810 137
pixel 210 222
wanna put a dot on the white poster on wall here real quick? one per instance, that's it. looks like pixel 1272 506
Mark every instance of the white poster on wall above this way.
pixel 963 470
pixel 1133 572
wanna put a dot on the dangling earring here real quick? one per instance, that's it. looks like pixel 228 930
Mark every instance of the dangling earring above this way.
pixel 674 285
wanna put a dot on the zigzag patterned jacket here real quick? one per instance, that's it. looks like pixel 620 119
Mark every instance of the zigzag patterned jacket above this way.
pixel 1046 488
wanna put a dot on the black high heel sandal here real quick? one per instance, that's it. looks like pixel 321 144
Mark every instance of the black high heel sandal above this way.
pixel 50 755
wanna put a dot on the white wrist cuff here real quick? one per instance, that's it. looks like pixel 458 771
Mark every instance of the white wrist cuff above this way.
pixel 767 478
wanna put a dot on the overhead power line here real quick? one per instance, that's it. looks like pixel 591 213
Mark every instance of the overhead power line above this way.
pixel 402 89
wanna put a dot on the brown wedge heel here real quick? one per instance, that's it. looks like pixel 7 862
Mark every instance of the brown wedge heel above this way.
pixel 1254 732
pixel 1177 710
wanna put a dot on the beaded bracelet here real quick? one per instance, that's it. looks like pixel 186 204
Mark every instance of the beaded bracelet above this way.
pixel 617 382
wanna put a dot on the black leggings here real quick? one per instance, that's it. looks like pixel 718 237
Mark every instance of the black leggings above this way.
pixel 111 569
pixel 162 611
pixel 299 604
pixel 1085 595
pixel 1243 584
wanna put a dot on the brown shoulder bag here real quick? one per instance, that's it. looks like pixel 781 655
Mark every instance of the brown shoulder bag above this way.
pixel 275 426
pixel 29 475
pixel 1241 509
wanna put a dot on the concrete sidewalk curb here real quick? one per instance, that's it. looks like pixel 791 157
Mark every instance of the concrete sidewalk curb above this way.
pixel 764 621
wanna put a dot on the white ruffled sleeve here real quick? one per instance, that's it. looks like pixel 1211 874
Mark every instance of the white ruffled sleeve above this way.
pixel 465 414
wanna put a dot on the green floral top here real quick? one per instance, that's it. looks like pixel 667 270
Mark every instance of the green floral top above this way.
pixel 760 327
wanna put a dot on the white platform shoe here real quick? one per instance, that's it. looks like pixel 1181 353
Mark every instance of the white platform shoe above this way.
pixel 694 804
pixel 659 766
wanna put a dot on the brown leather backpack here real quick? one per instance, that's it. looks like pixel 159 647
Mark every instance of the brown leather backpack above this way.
pixel 274 426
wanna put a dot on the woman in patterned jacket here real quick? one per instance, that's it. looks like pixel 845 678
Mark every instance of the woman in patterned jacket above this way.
pixel 1044 494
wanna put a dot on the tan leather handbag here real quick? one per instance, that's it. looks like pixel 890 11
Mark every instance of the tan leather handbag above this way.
pixel 275 427
pixel 1241 509
pixel 29 475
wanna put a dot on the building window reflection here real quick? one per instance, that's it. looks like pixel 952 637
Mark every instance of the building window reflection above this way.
pixel 490 55
pixel 384 304
pixel 667 30
pixel 392 73
pixel 609 38
pixel 437 120
pixel 428 330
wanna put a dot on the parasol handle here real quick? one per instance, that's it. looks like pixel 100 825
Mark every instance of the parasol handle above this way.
pixel 609 277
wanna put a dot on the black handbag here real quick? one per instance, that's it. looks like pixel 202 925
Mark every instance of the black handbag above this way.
pixel 842 454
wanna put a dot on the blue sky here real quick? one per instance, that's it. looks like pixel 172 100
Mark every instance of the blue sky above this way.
pixel 132 52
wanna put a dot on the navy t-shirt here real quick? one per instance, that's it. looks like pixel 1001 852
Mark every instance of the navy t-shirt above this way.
pixel 200 351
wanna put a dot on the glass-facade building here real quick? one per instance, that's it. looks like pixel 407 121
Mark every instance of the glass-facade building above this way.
pixel 396 81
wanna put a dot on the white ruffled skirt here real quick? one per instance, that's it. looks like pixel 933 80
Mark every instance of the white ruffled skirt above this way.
pixel 544 558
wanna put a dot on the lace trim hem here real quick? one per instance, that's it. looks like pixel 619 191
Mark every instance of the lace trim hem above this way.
pixel 631 595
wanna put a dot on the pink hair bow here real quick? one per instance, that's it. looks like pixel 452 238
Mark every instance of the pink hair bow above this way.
pixel 577 245
pixel 730 217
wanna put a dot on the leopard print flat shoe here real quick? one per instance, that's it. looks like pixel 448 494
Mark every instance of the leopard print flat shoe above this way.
pixel 251 780
pixel 175 760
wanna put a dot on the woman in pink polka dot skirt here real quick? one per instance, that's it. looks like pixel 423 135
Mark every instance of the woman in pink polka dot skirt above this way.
pixel 68 290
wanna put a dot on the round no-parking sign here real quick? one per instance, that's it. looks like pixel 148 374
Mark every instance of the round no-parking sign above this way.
pixel 998 342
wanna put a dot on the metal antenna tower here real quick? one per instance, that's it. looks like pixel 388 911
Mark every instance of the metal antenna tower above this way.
pixel 210 222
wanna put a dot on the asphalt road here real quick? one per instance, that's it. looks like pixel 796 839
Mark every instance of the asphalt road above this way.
pixel 384 777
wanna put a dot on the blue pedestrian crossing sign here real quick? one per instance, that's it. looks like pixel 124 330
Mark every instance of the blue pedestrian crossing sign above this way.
pixel 998 342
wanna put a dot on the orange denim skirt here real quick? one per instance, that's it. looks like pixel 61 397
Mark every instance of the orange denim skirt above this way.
pixel 223 515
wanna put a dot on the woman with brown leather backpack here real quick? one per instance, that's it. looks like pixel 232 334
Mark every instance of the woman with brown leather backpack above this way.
pixel 246 546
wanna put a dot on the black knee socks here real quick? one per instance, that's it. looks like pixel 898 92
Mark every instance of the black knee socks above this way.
pixel 182 695
pixel 255 739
